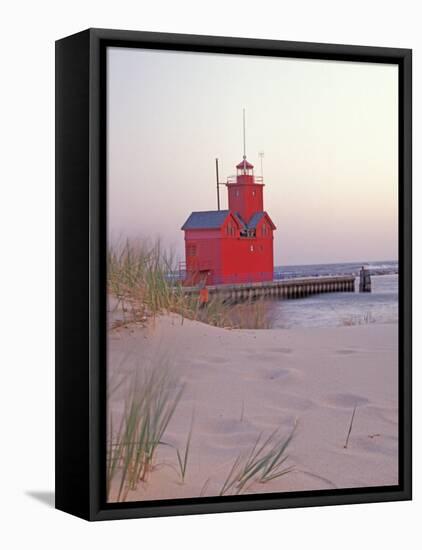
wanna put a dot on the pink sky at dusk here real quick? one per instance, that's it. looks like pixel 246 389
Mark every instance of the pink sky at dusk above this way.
pixel 329 132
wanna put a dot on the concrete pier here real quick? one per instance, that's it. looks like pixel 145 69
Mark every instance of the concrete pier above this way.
pixel 288 288
pixel 364 280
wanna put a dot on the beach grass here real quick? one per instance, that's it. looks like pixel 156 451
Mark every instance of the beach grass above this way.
pixel 182 458
pixel 366 318
pixel 350 428
pixel 132 447
pixel 263 463
pixel 137 275
pixel 139 278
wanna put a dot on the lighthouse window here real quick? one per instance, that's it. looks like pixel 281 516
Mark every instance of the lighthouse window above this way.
pixel 252 248
pixel 253 193
pixel 251 233
pixel 231 231
pixel 191 250
pixel 264 230
pixel 237 192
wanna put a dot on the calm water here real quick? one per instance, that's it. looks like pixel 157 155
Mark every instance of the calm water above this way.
pixel 342 308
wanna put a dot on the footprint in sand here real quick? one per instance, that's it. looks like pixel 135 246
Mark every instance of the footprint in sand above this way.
pixel 283 374
pixel 218 360
pixel 291 402
pixel 279 374
pixel 227 425
pixel 383 445
pixel 385 414
pixel 345 351
pixel 269 354
pixel 346 400
pixel 281 350
pixel 261 357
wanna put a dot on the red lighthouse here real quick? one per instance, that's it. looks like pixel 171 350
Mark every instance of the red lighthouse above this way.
pixel 234 245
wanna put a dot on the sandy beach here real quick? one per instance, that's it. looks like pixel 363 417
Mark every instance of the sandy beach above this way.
pixel 240 383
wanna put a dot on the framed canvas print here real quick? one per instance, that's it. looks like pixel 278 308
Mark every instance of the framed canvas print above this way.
pixel 233 274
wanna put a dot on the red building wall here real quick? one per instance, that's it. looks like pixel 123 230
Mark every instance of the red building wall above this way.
pixel 247 259
pixel 222 256
pixel 202 253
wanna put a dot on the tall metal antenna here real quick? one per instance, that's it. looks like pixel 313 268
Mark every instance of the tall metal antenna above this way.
pixel 244 135
pixel 261 156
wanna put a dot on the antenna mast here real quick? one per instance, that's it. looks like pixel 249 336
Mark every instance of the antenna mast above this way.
pixel 244 135
pixel 261 156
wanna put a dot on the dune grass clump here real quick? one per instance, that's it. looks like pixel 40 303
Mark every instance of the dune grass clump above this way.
pixel 250 314
pixel 354 320
pixel 132 448
pixel 264 462
pixel 350 428
pixel 182 458
pixel 140 276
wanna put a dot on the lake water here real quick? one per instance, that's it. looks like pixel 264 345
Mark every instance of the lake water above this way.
pixel 340 308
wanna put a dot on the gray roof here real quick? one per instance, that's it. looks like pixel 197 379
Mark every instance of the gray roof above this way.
pixel 210 219
pixel 253 222
pixel 257 217
pixel 214 219
pixel 240 220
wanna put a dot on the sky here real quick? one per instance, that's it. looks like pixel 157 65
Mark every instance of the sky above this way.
pixel 328 131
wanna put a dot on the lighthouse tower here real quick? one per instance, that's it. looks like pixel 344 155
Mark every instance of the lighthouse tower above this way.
pixel 245 191
pixel 234 245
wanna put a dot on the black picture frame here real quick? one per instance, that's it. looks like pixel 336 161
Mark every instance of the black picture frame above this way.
pixel 80 272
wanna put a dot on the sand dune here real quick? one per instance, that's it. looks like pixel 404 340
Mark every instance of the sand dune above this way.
pixel 239 383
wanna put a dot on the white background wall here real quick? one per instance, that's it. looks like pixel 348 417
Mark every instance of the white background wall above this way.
pixel 27 275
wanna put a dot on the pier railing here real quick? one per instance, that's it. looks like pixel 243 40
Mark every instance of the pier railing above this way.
pixel 233 179
pixel 241 278
pixel 288 288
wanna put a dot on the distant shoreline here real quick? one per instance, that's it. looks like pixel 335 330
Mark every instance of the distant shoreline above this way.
pixel 379 267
